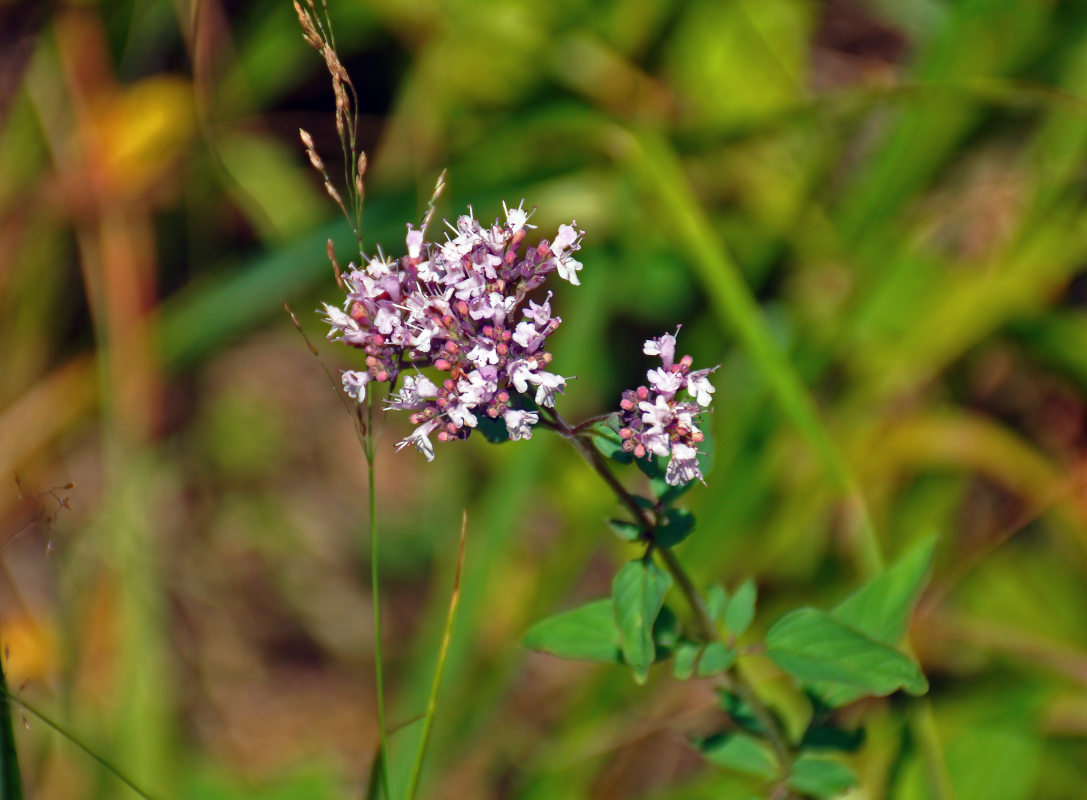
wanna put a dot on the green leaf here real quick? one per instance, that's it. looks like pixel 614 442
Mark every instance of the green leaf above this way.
pixel 637 596
pixel 881 608
pixel 588 633
pixel 493 430
pixel 829 737
pixel 678 524
pixel 651 466
pixel 665 631
pixel 609 444
pixel 627 531
pixel 741 608
pixel 739 711
pixel 686 655
pixel 821 777
pixel 812 646
pixel 717 602
pixel 716 658
pixel 742 753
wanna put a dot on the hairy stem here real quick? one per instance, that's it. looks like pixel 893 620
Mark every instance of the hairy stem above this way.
pixel 735 681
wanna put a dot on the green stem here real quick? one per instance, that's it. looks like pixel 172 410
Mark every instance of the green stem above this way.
pixel 379 671
pixel 735 680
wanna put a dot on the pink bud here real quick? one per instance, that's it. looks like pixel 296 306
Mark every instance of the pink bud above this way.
pixel 643 393
pixel 382 376
pixel 451 346
pixel 625 433
pixel 442 364
pixel 502 349
pixel 639 451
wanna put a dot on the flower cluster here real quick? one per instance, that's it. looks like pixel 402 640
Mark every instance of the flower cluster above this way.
pixel 462 307
pixel 652 420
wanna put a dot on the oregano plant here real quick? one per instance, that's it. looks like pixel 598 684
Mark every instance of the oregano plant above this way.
pixel 454 333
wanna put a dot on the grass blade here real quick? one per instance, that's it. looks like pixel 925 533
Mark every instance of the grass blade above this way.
pixel 443 653
pixel 5 701
pixel 11 783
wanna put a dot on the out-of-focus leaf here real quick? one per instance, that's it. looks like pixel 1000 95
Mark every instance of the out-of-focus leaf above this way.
pixel 716 658
pixel 741 608
pixel 609 444
pixel 265 173
pixel 627 531
pixel 637 596
pixel 685 656
pixel 993 763
pixel 743 753
pixel 588 633
pixel 678 524
pixel 716 602
pixel 821 777
pixel 812 646
pixel 881 610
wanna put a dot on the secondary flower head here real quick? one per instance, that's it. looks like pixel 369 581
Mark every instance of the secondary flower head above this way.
pixel 655 420
pixel 461 306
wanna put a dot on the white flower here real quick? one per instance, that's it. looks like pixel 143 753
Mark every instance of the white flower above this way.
pixel 416 389
pixel 683 468
pixel 566 237
pixel 340 321
pixel 460 415
pixel 519 423
pixel 414 241
pixel 483 354
pixel 474 388
pixel 547 384
pixel 386 319
pixel 418 437
pixel 380 266
pixel 516 218
pixel 526 335
pixel 698 384
pixel 568 269
pixel 665 381
pixel 539 313
pixel 664 346
pixel 520 373
pixel 354 383
pixel 657 415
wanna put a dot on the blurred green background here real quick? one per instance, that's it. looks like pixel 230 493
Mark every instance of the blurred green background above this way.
pixel 871 212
